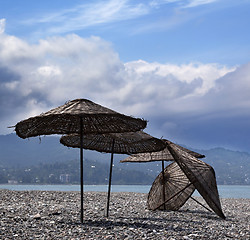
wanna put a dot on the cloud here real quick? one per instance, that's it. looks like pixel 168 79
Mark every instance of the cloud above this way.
pixel 63 68
pixel 176 99
pixel 90 14
pixel 233 89
pixel 196 3
pixel 2 25
pixel 174 13
pixel 181 3
pixel 36 77
pixel 101 13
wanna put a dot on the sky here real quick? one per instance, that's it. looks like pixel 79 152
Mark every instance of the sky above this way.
pixel 182 65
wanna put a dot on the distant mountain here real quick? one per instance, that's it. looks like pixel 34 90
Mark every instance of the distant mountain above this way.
pixel 68 172
pixel 231 167
pixel 25 152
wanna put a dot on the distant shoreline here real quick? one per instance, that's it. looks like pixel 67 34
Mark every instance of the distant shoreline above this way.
pixel 225 191
pixel 75 184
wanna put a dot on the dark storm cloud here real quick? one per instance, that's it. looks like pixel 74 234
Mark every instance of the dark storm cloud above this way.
pixel 218 118
pixel 12 101
pixel 8 98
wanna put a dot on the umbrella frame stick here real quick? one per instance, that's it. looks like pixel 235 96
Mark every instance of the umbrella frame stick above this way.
pixel 163 185
pixel 81 166
pixel 172 196
pixel 110 176
pixel 200 204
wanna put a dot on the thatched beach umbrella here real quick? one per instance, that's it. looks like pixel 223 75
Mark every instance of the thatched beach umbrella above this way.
pixel 201 175
pixel 78 116
pixel 121 143
pixel 163 155
pixel 177 189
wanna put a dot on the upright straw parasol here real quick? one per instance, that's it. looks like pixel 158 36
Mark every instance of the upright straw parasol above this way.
pixel 121 143
pixel 201 175
pixel 163 155
pixel 80 116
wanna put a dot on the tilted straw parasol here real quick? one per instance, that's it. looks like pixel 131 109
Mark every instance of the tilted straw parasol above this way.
pixel 78 116
pixel 177 189
pixel 201 175
pixel 121 143
pixel 163 155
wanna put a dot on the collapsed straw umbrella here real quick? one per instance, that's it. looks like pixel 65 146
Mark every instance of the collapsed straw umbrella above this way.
pixel 121 143
pixel 164 155
pixel 201 175
pixel 176 190
pixel 78 116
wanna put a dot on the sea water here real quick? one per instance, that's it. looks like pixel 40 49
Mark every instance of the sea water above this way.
pixel 225 191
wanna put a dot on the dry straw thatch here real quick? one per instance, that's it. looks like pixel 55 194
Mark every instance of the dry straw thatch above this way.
pixel 78 116
pixel 124 143
pixel 163 155
pixel 177 189
pixel 201 175
pixel 121 143
pixel 65 119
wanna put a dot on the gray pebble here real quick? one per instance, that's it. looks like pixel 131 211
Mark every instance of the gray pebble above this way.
pixel 56 215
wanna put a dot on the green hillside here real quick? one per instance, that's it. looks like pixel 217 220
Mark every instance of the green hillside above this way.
pixel 44 160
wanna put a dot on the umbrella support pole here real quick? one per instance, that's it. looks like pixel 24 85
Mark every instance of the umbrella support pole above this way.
pixel 81 166
pixel 163 185
pixel 200 204
pixel 110 176
pixel 172 196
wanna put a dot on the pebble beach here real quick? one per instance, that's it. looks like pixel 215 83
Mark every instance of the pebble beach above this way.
pixel 56 215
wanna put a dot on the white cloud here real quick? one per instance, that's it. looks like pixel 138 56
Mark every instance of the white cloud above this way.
pixel 54 71
pixel 177 13
pixel 2 25
pixel 161 86
pixel 49 71
pixel 157 3
pixel 184 73
pixel 105 13
pixel 35 78
pixel 181 3
pixel 196 3
pixel 90 14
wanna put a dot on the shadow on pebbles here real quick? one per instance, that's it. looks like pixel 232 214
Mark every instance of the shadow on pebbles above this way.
pixel 56 215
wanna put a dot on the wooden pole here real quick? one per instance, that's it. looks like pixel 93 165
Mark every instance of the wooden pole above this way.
pixel 163 185
pixel 201 204
pixel 172 196
pixel 110 175
pixel 81 166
